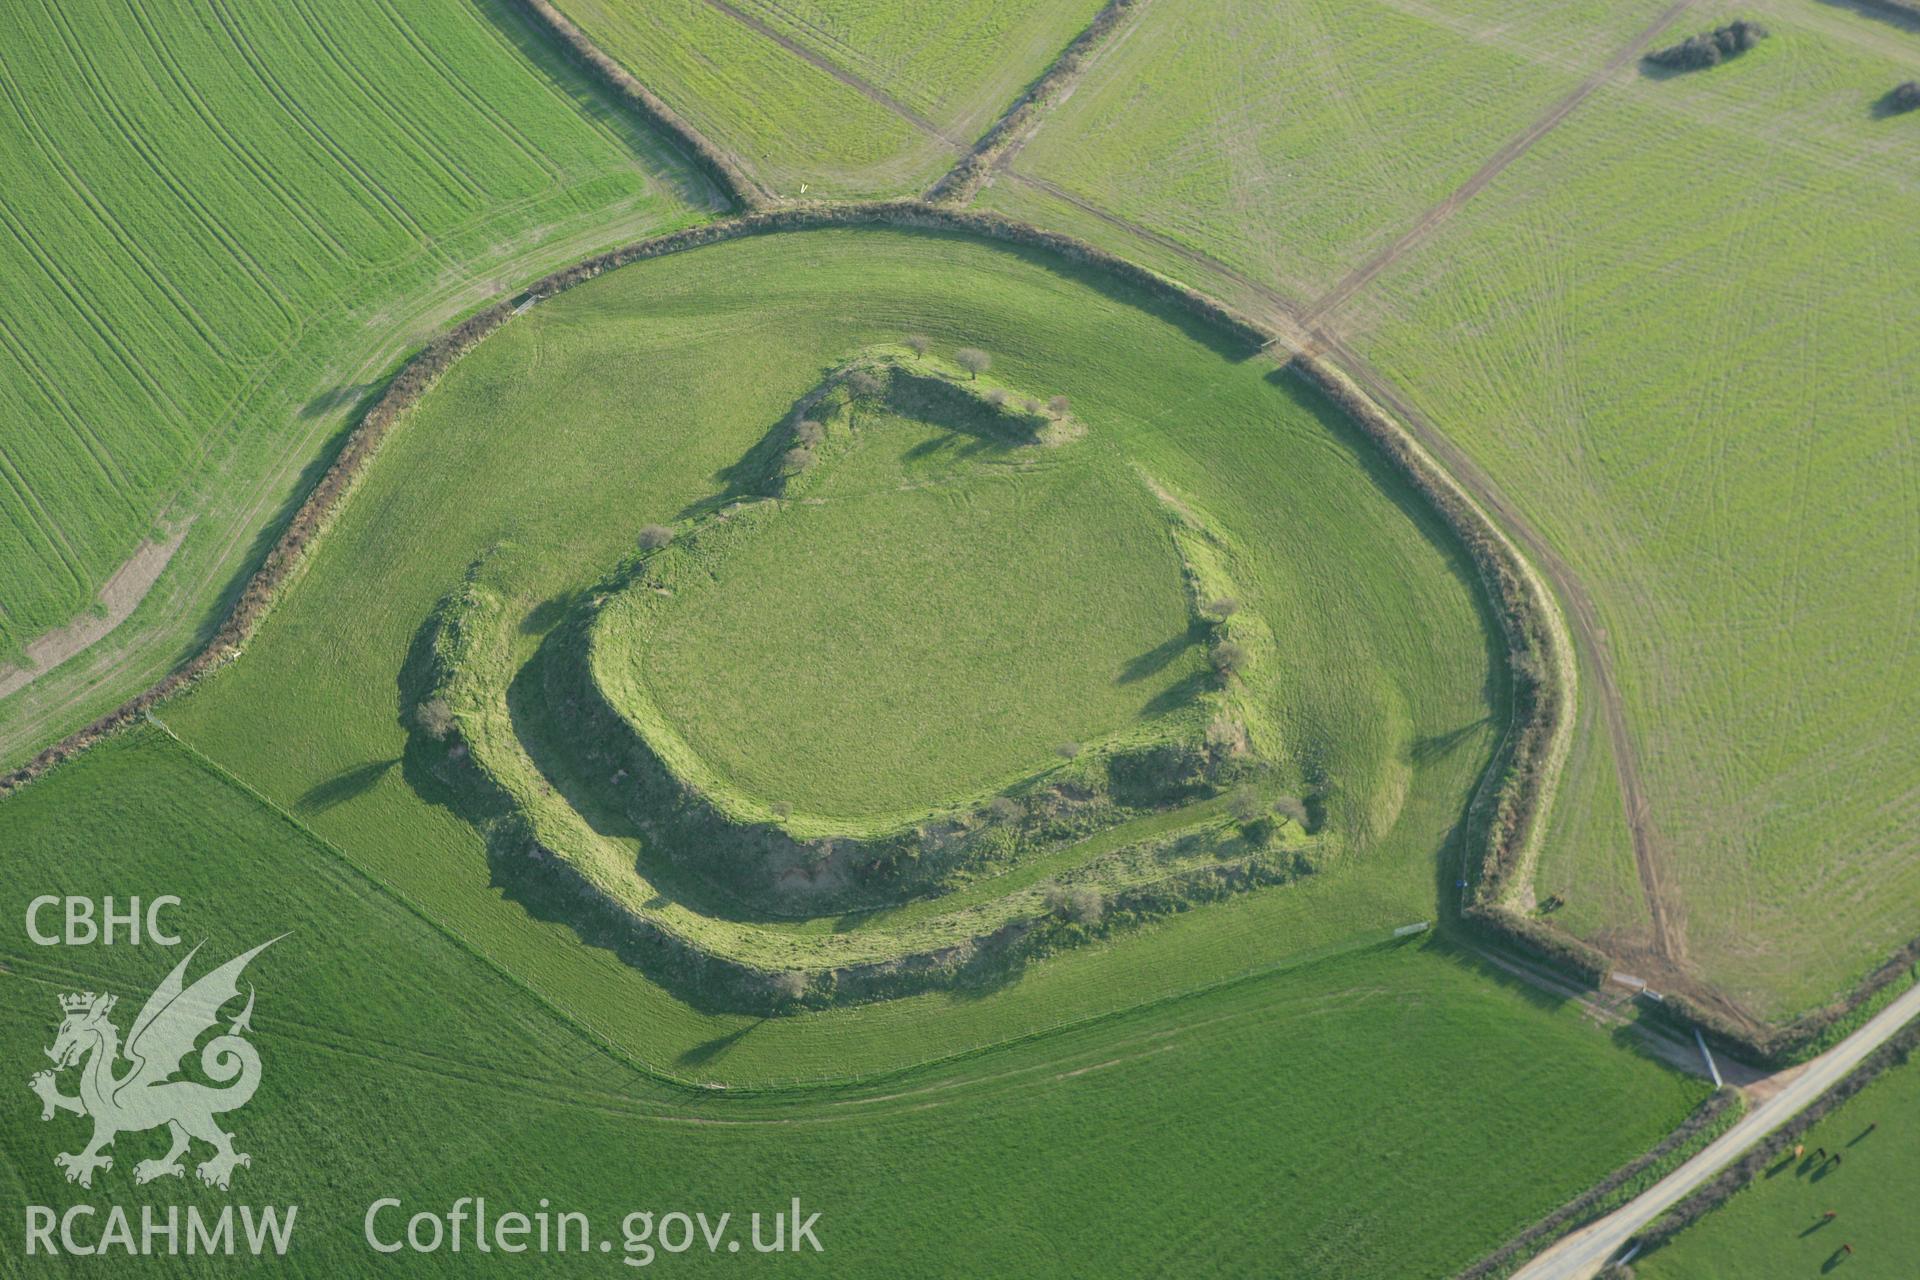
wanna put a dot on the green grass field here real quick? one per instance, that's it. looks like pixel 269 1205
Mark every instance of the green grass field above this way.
pixel 958 64
pixel 1676 334
pixel 222 227
pixel 1289 142
pixel 1335 1119
pixel 860 633
pixel 670 371
pixel 1777 1226
pixel 916 84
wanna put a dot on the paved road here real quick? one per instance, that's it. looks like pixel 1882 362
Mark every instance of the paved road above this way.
pixel 1583 1253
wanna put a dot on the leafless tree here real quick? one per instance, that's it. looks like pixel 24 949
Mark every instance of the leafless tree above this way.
pixel 1081 904
pixel 1229 658
pixel 435 719
pixel 1293 809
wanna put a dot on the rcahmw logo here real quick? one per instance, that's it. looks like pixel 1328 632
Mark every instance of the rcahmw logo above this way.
pixel 146 1095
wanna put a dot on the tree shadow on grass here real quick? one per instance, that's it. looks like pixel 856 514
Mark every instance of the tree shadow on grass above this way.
pixel 1893 15
pixel 1434 746
pixel 1161 655
pixel 707 1050
pixel 327 401
pixel 1179 694
pixel 1889 105
pixel 989 974
pixel 538 52
pixel 343 786
pixel 547 615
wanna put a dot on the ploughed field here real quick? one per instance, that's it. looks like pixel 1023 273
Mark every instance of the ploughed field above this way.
pixel 1669 324
pixel 222 226
pixel 1695 380
pixel 831 98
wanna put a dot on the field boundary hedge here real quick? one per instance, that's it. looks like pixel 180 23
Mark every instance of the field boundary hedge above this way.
pixel 724 171
pixel 961 183
pixel 1703 1124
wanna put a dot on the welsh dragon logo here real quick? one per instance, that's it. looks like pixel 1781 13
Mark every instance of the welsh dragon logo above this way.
pixel 145 1096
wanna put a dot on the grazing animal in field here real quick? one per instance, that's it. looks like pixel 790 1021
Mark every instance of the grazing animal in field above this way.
pixel 1830 1215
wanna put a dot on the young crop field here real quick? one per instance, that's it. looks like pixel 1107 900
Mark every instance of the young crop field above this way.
pixel 1676 332
pixel 223 224
pixel 836 97
pixel 1360 1091
pixel 1778 1226
pixel 957 64
pixel 1289 142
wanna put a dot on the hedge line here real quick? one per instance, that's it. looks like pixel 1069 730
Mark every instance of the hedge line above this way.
pixel 734 181
pixel 1743 1171
pixel 1505 818
pixel 257 596
pixel 1795 1041
pixel 553 887
pixel 964 180
pixel 1702 1125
